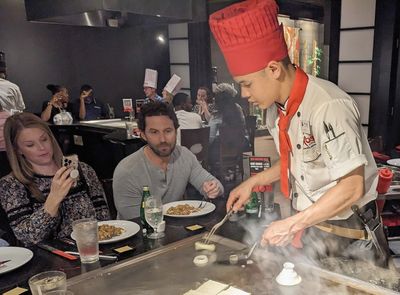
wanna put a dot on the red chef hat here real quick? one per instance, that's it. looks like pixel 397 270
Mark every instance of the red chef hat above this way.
pixel 249 35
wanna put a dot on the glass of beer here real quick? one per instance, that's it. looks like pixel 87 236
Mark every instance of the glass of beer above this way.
pixel 86 237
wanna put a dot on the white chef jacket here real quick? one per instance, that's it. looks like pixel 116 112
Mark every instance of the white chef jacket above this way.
pixel 327 143
pixel 10 96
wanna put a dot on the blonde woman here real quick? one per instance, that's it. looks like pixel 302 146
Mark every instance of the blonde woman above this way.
pixel 38 196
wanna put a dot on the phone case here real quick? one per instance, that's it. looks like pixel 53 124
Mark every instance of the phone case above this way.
pixel 70 161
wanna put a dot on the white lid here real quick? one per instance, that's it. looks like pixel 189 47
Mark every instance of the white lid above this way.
pixel 150 78
pixel 174 84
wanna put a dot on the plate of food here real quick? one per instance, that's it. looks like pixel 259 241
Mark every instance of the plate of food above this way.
pixel 188 208
pixel 394 162
pixel 13 257
pixel 111 231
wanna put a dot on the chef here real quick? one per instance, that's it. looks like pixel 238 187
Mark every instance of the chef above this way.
pixel 10 94
pixel 150 86
pixel 325 165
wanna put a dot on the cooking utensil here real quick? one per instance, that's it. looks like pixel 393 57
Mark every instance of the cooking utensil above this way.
pixel 217 226
pixel 251 250
pixel 240 258
pixel 374 228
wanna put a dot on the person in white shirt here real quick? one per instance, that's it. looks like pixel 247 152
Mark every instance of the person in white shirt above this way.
pixel 10 94
pixel 187 119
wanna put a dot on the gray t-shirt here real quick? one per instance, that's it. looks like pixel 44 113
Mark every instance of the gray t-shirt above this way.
pixel 135 171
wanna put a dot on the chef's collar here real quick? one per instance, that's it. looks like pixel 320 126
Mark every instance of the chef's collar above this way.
pixel 282 107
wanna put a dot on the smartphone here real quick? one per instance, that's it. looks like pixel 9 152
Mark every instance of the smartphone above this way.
pixel 71 161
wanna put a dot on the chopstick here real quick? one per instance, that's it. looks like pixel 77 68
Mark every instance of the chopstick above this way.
pixel 56 251
pixel 4 262
pixel 104 257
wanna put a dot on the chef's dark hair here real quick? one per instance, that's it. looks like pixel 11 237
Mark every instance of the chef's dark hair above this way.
pixel 156 108
pixel 85 87
pixel 54 88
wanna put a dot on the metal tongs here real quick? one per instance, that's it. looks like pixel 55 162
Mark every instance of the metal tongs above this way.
pixel 217 226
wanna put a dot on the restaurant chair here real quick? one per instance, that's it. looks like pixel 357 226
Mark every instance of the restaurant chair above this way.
pixel 108 190
pixel 377 148
pixel 230 153
pixel 6 232
pixel 197 141
pixel 251 126
pixel 4 165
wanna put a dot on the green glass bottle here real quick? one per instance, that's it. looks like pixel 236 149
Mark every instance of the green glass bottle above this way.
pixel 147 229
pixel 252 206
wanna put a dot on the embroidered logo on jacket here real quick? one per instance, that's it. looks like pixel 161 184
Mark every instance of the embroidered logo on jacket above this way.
pixel 308 141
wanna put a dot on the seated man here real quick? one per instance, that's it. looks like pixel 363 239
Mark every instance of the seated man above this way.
pixel 162 165
pixel 183 110
pixel 89 107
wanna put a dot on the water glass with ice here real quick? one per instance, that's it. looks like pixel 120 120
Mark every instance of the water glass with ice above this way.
pixel 48 281
pixel 86 236
pixel 153 212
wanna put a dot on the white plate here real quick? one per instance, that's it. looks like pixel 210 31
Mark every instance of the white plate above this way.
pixel 208 208
pixel 131 229
pixel 18 256
pixel 394 162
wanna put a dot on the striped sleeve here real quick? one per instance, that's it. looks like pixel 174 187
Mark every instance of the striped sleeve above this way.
pixel 96 192
pixel 29 225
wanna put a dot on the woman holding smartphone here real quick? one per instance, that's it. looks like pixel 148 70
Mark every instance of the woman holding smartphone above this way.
pixel 38 196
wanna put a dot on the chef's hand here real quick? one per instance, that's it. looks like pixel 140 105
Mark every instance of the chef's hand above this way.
pixel 211 189
pixel 239 196
pixel 278 233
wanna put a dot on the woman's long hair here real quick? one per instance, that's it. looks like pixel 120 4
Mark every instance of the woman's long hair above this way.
pixel 21 168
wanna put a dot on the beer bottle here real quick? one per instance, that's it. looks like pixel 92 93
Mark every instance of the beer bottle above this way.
pixel 147 229
pixel 252 206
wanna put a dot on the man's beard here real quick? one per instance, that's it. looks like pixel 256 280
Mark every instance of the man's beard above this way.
pixel 160 153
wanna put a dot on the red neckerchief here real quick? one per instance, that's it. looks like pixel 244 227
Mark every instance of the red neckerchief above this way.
pixel 285 147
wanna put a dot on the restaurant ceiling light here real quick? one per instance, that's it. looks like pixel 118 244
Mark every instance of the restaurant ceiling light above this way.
pixel 161 39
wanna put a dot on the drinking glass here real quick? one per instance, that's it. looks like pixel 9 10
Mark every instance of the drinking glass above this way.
pixel 45 282
pixel 86 237
pixel 153 212
pixel 130 125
